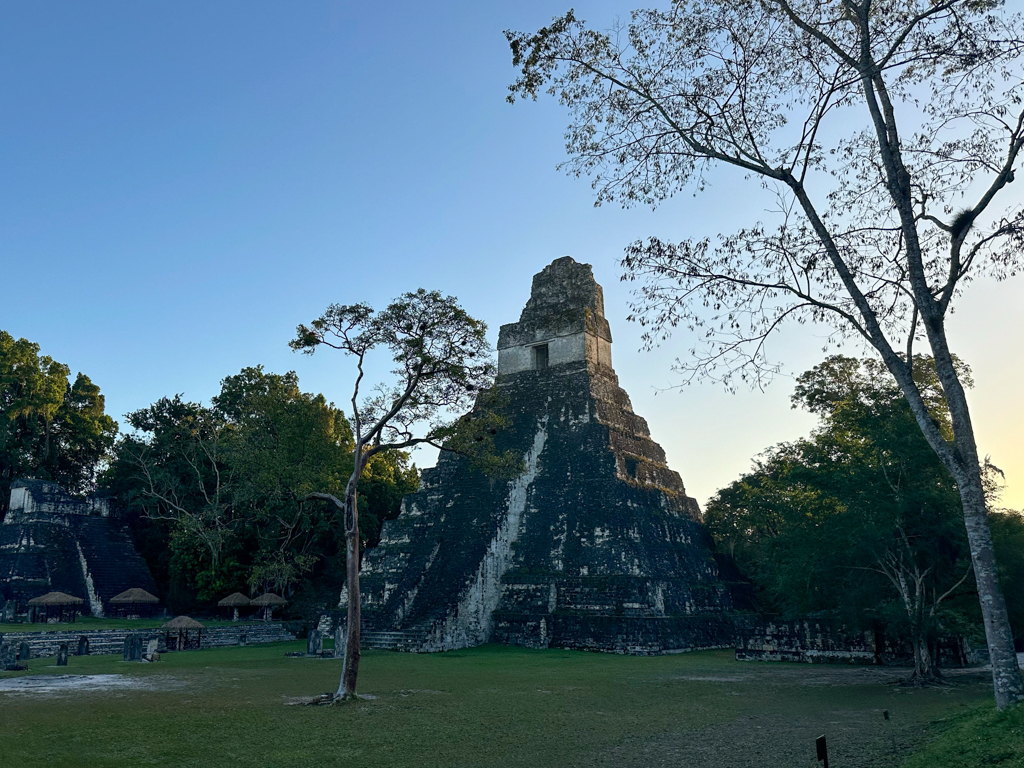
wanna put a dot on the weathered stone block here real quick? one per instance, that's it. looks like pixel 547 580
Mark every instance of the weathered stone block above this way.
pixel 62 655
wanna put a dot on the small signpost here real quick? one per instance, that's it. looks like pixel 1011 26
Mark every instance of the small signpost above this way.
pixel 822 749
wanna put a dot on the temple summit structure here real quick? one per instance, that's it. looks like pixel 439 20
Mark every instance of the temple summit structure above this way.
pixel 594 546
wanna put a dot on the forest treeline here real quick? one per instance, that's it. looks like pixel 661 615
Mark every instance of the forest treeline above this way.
pixel 214 495
pixel 860 522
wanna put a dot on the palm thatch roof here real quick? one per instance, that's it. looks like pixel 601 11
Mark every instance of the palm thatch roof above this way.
pixel 134 595
pixel 234 600
pixel 183 622
pixel 268 599
pixel 56 598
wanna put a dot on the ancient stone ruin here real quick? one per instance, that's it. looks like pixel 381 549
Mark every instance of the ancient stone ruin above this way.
pixel 51 541
pixel 594 546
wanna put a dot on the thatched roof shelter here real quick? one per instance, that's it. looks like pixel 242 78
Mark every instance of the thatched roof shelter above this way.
pixel 134 595
pixel 183 622
pixel 55 598
pixel 234 600
pixel 269 599
pixel 60 603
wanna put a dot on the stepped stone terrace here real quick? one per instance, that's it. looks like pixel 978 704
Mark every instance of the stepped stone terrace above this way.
pixel 53 542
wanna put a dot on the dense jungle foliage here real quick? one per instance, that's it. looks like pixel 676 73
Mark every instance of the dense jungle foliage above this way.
pixel 216 495
pixel 860 521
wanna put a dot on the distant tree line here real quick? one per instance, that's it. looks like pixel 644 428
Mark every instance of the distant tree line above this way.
pixel 861 522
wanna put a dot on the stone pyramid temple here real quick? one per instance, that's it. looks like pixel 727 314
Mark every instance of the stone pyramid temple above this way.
pixel 594 546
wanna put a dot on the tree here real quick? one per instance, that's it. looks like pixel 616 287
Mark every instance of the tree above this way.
pixel 216 495
pixel 861 520
pixel 888 129
pixel 441 360
pixel 173 467
pixel 49 428
pixel 283 445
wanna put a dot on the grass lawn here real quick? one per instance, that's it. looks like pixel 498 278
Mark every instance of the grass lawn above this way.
pixel 979 736
pixel 488 706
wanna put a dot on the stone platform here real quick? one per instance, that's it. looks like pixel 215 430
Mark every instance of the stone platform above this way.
pixel 111 641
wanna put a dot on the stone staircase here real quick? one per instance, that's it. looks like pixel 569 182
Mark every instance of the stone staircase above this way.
pixel 410 641
pixel 113 563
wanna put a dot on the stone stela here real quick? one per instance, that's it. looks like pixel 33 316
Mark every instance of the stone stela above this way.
pixel 595 545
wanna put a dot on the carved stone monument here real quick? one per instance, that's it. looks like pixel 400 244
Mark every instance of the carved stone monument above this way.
pixel 24 652
pixel 133 647
pixel 340 639
pixel 62 655
pixel 9 658
pixel 83 645
pixel 595 545
pixel 314 642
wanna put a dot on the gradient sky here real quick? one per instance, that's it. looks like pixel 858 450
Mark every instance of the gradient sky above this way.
pixel 182 183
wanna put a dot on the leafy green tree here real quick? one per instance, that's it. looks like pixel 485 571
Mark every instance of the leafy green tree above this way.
pixel 49 428
pixel 284 444
pixel 889 131
pixel 217 496
pixel 860 520
pixel 441 361
pixel 172 472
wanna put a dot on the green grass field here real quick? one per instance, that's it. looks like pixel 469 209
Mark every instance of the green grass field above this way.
pixel 489 706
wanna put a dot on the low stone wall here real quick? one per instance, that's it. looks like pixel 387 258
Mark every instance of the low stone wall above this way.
pixel 816 641
pixel 111 641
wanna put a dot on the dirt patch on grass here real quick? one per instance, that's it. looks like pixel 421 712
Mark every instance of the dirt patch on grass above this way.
pixel 55 685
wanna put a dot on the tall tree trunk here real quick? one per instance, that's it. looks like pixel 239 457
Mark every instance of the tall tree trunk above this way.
pixel 961 459
pixel 350 670
pixel 1006 677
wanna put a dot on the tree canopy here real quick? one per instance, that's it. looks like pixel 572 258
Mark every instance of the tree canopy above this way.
pixel 217 494
pixel 51 427
pixel 860 521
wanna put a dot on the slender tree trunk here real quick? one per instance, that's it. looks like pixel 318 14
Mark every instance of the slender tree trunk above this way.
pixel 1006 677
pixel 961 459
pixel 923 666
pixel 350 670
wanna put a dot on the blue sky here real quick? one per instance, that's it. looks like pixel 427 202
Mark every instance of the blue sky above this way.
pixel 183 183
